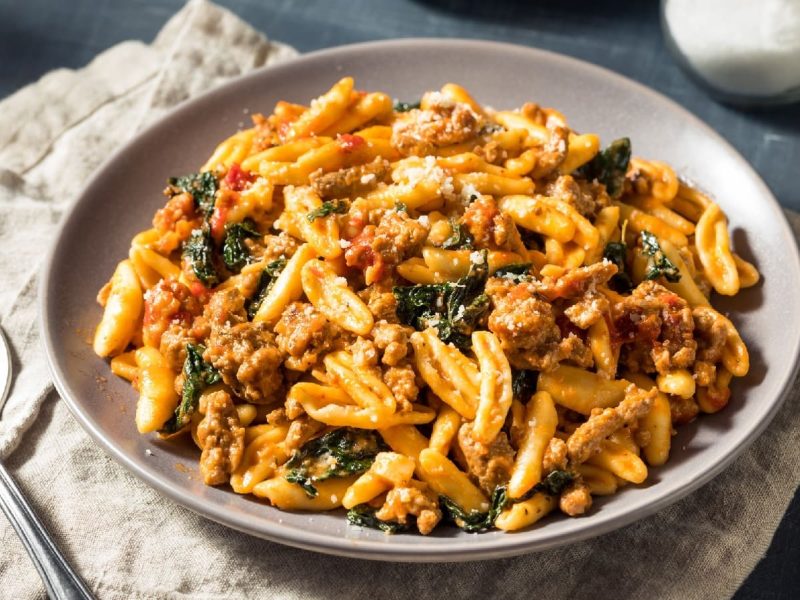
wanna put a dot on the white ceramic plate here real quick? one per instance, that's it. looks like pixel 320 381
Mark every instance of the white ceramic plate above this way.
pixel 122 197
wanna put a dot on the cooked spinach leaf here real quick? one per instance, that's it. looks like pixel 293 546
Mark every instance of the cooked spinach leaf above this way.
pixel 523 384
pixel 553 484
pixel 453 308
pixel 616 252
pixel 339 453
pixel 531 239
pixel 517 272
pixel 265 283
pixel 490 128
pixel 475 521
pixel 459 239
pixel 234 251
pixel 202 186
pixel 405 106
pixel 658 265
pixel 609 166
pixel 328 207
pixel 418 305
pixel 363 515
pixel 197 375
pixel 198 250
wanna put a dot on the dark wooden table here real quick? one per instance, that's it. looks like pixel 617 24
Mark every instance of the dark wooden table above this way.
pixel 39 35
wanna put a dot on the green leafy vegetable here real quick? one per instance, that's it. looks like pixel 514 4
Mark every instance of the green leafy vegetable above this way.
pixel 490 128
pixel 197 376
pixel 453 308
pixel 531 239
pixel 523 383
pixel 234 251
pixel 401 207
pixel 339 453
pixel 553 484
pixel 363 515
pixel 328 207
pixel 658 265
pixel 265 283
pixel 405 106
pixel 459 239
pixel 616 252
pixel 517 272
pixel 475 521
pixel 198 250
pixel 202 186
pixel 609 166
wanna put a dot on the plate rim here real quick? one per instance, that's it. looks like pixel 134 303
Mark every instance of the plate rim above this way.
pixel 501 546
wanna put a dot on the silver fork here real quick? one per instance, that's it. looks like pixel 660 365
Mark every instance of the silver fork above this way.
pixel 59 578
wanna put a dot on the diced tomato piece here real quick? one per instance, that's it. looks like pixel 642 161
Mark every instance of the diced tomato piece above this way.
pixel 236 178
pixel 628 328
pixel 219 217
pixel 197 289
pixel 350 142
pixel 362 256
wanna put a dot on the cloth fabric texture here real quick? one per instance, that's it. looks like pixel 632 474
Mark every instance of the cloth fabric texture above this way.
pixel 129 542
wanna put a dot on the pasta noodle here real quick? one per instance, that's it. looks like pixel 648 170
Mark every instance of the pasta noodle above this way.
pixel 426 312
pixel 157 397
pixel 122 301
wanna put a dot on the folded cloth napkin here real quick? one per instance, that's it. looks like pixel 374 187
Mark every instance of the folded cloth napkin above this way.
pixel 129 542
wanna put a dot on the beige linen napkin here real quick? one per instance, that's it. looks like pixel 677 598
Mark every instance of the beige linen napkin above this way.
pixel 129 542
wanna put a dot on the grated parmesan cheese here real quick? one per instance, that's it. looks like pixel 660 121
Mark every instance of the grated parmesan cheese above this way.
pixel 447 188
pixel 468 191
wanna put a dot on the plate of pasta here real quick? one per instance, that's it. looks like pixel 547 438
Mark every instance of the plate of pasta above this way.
pixel 424 300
